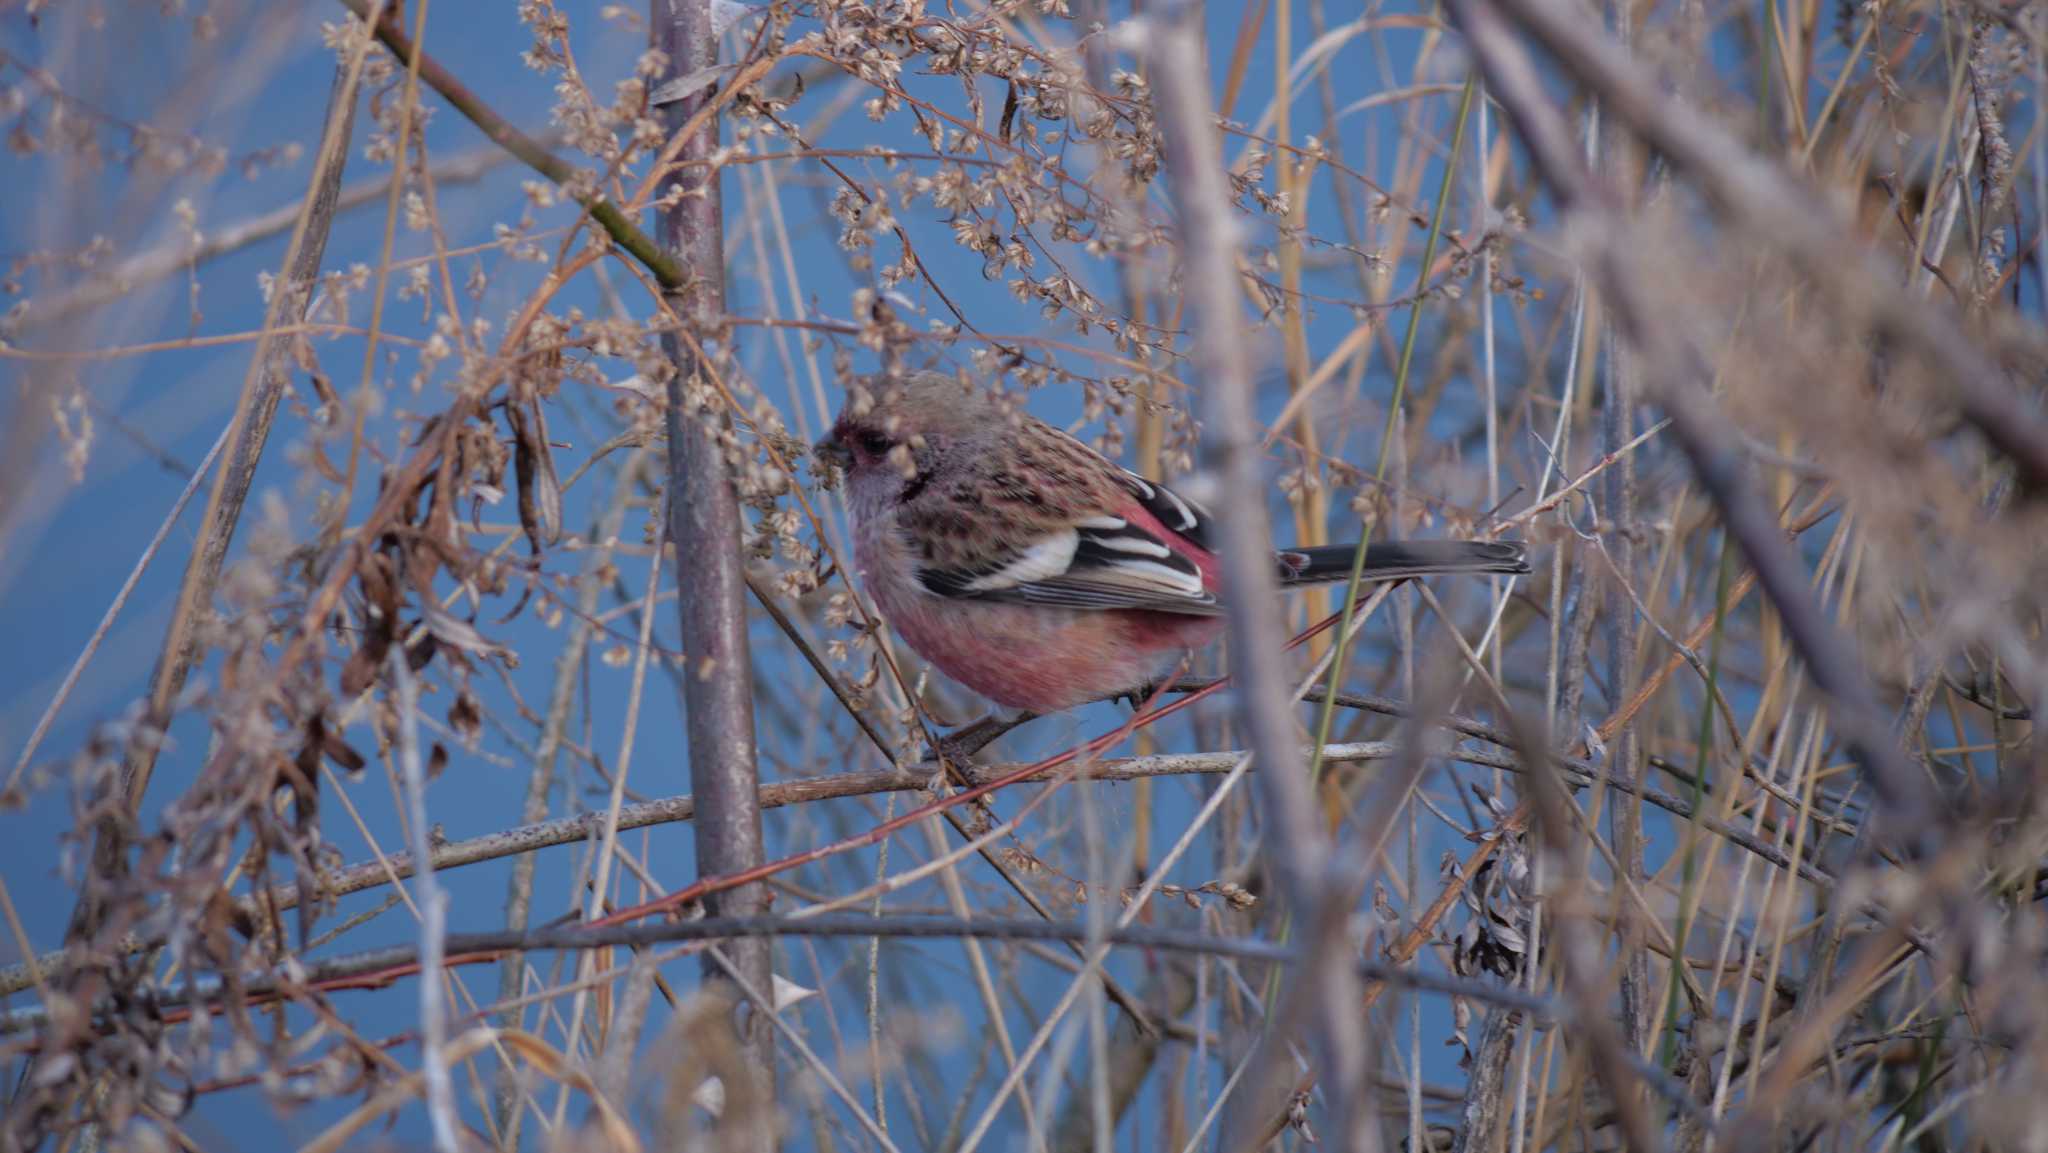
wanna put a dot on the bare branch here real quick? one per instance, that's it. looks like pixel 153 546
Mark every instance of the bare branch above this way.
pixel 393 962
pixel 704 526
pixel 433 905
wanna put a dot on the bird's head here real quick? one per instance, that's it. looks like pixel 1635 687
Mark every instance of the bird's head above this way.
pixel 894 430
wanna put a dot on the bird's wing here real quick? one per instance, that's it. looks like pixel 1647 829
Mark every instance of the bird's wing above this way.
pixel 1051 522
pixel 1172 510
pixel 1102 562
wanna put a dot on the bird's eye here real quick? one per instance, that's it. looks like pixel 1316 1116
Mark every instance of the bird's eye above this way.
pixel 874 443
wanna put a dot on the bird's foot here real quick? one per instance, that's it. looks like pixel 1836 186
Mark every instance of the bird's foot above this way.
pixel 1137 697
pixel 969 739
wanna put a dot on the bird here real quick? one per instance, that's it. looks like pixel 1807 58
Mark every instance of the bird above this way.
pixel 1035 571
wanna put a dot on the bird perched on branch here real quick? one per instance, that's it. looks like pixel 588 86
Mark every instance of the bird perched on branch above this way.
pixel 1034 571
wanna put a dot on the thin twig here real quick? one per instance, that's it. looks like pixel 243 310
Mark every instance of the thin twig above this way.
pixel 1706 435
pixel 262 387
pixel 1802 226
pixel 376 967
pixel 526 839
pixel 144 268
pixel 92 644
pixel 433 906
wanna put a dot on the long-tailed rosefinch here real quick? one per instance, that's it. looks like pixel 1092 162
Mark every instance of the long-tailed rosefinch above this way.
pixel 1034 571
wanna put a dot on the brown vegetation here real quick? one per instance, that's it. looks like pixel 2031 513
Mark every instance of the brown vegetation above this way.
pixel 1716 832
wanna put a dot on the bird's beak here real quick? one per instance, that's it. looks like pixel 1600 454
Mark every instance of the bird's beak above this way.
pixel 829 451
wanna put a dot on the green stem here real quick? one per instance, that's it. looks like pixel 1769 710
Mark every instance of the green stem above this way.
pixel 1704 747
pixel 1436 228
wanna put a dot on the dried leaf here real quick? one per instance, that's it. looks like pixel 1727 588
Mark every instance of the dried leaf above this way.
pixel 323 466
pixel 361 670
pixel 466 716
pixel 710 1097
pixel 340 752
pixel 1297 1117
pixel 420 653
pixel 540 493
pixel 638 386
pixel 684 87
pixel 450 630
pixel 1383 905
pixel 788 992
pixel 547 491
pixel 380 590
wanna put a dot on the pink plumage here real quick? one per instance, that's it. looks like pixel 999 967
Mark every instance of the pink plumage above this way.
pixel 1033 570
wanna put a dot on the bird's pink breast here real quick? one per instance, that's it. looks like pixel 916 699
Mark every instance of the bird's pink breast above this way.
pixel 1027 656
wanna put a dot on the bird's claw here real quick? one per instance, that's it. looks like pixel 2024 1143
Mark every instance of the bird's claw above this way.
pixel 1136 697
pixel 962 743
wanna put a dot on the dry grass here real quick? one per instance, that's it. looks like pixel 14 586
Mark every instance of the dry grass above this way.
pixel 1716 831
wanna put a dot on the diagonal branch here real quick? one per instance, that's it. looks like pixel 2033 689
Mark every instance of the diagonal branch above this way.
pixel 530 152
pixel 1677 379
pixel 262 388
pixel 1759 196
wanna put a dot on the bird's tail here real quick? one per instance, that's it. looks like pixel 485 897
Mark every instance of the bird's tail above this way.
pixel 1400 559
